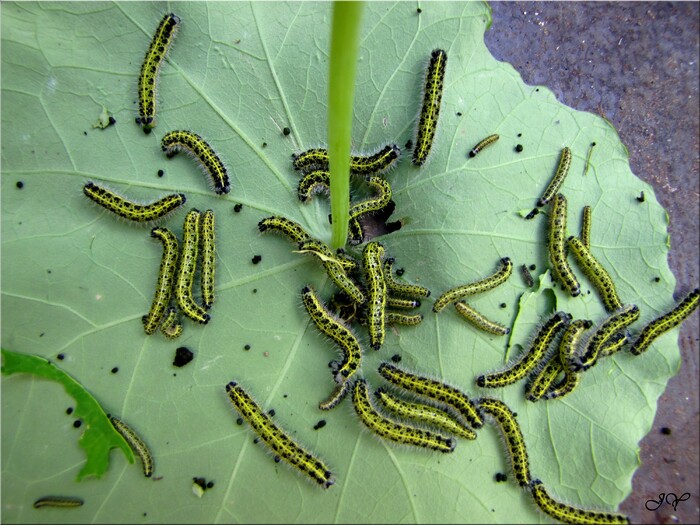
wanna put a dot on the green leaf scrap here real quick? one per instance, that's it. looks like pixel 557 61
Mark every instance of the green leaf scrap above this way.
pixel 99 436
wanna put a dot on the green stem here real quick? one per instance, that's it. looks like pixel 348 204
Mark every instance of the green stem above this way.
pixel 345 46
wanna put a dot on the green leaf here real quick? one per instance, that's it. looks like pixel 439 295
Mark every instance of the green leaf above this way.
pixel 77 281
pixel 99 436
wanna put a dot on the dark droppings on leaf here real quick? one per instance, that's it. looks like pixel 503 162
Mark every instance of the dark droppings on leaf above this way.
pixel 533 267
pixel 657 279
pixel 286 131
pixel 161 173
pixel 459 113
pixel 115 370
pixel 409 144
pixel 183 355
pixel 210 484
pixel 60 357
pixel 256 259
pixel 419 10
pixel 666 431
pixel 239 421
pixel 518 148
pixel 112 121
pixel 85 133
pixel 77 423
pixel 641 197
pixel 238 207
pixel 271 412
pixel 69 410
pixel 255 290
pixel 400 271
pixel 264 144
pixel 19 184
pixel 500 477
pixel 246 347
pixel 396 358
pixel 520 134
pixel 504 305
pixel 320 424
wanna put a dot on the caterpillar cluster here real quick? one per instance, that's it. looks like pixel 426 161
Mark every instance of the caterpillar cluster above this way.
pixel 368 291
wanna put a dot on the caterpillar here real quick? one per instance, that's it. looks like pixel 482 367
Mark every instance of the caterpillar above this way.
pixel 283 446
pixel 65 502
pixel 162 40
pixel 400 302
pixel 483 144
pixel 336 396
pixel 505 418
pixel 131 210
pixel 335 330
pixel 432 389
pixel 379 162
pixel 166 279
pixel 595 273
pixel 334 268
pixel 291 229
pixel 430 111
pixel 427 414
pixel 568 514
pixel 544 378
pixel 556 182
pixel 171 327
pixel 392 430
pixel 402 289
pixel 198 149
pixel 402 319
pixel 586 227
pixel 482 285
pixel 618 321
pixel 187 268
pixel 316 181
pixel 557 249
pixel 136 444
pixel 374 204
pixel 376 288
pixel 664 323
pixel 208 246
pixel 567 351
pixel 529 359
pixel 324 253
pixel 479 320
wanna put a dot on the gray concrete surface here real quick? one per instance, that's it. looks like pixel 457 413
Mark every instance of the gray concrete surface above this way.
pixel 637 65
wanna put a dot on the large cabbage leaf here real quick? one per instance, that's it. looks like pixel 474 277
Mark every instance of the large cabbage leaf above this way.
pixel 76 281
